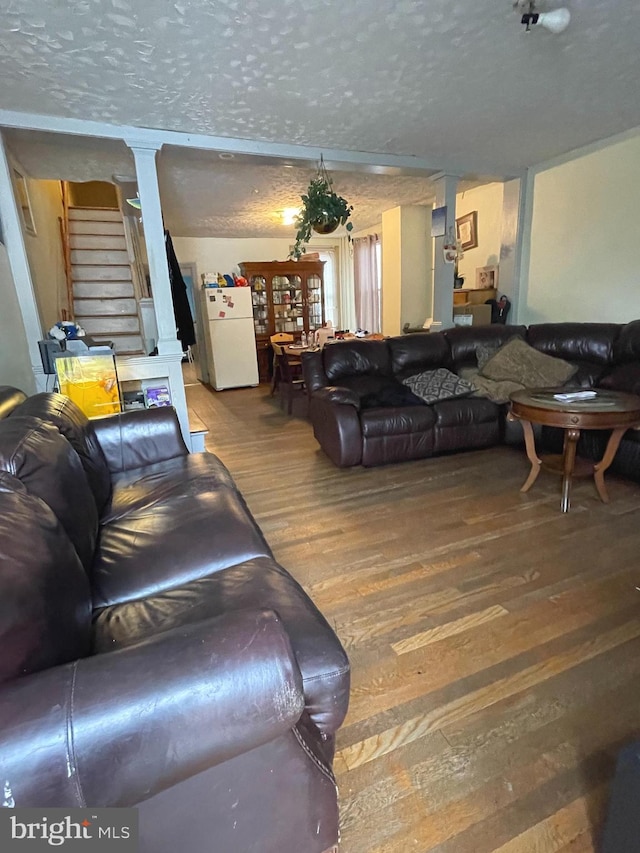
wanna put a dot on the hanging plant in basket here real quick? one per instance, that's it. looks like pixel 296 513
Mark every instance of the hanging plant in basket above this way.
pixel 322 211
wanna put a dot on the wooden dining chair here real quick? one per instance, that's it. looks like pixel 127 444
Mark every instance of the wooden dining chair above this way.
pixel 290 379
pixel 278 340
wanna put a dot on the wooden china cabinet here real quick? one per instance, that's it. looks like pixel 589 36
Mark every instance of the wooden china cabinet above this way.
pixel 287 296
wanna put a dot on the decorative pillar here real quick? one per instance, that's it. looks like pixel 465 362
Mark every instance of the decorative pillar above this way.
pixel 19 263
pixel 144 156
pixel 446 188
pixel 167 364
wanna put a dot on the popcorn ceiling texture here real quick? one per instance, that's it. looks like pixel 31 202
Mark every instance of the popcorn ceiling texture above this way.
pixel 454 82
pixel 203 196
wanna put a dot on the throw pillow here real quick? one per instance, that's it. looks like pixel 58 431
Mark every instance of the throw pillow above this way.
pixel 484 352
pixel 487 350
pixel 439 384
pixel 519 362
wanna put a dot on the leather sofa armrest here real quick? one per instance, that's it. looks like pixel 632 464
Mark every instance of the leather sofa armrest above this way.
pixel 313 371
pixel 138 438
pixel 116 728
pixel 337 394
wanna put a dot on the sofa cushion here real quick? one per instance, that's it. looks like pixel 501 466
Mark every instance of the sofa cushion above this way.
pixel 45 603
pixel 35 453
pixel 575 342
pixel 356 358
pixel 439 384
pixel 74 425
pixel 138 488
pixel 399 421
pixel 464 340
pixel 465 424
pixel 627 344
pixel 518 362
pixel 257 583
pixel 411 354
pixel 390 394
pixel 624 377
pixel 181 533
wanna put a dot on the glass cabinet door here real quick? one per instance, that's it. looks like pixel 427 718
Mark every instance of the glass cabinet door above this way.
pixel 314 300
pixel 259 301
pixel 288 307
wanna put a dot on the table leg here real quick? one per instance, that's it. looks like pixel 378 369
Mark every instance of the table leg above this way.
pixel 605 462
pixel 570 442
pixel 536 462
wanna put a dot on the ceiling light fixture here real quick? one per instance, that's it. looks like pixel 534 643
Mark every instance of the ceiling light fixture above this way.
pixel 289 215
pixel 556 21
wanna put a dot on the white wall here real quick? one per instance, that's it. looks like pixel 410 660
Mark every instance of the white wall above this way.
pixel 488 201
pixel 15 365
pixel 583 254
pixel 222 254
pixel 44 251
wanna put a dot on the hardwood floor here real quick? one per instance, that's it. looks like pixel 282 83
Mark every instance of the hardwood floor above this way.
pixel 495 642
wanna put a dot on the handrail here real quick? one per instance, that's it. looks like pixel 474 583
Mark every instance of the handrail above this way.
pixel 63 222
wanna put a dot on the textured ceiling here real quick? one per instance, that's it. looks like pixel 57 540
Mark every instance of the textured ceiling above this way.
pixel 204 196
pixel 452 82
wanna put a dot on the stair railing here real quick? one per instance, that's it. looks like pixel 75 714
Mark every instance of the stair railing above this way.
pixel 67 313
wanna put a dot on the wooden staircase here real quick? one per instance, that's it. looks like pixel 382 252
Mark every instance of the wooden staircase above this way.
pixel 103 292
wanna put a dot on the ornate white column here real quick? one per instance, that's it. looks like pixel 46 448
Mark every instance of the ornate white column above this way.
pixel 446 187
pixel 17 254
pixel 144 156
pixel 167 364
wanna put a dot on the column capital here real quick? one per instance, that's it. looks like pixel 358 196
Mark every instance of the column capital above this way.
pixel 444 176
pixel 143 146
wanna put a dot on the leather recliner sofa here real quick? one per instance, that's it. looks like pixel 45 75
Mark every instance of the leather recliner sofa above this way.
pixel 154 654
pixel 344 377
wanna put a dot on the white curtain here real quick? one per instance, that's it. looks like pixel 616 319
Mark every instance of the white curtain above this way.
pixel 347 317
pixel 367 283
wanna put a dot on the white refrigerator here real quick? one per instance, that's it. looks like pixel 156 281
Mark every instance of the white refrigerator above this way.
pixel 230 340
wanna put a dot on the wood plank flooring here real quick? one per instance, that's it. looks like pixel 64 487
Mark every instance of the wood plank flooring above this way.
pixel 495 643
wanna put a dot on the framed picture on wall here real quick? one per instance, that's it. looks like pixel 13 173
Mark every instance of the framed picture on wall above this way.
pixel 487 277
pixel 467 231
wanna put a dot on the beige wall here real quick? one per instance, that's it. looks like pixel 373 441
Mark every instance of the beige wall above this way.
pixel 407 291
pixel 15 365
pixel 583 251
pixel 488 201
pixel 214 254
pixel 44 251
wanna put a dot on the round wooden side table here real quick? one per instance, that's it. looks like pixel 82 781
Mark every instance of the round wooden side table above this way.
pixel 612 410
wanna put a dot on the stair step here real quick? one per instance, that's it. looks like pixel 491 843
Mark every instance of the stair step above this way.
pixel 99 256
pixel 100 214
pixel 102 289
pixel 108 242
pixel 105 307
pixel 81 226
pixel 100 273
pixel 123 344
pixel 111 325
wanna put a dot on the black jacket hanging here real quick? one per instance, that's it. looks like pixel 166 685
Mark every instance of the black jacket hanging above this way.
pixel 181 307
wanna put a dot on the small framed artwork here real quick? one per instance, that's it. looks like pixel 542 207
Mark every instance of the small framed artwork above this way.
pixel 467 231
pixel 22 200
pixel 487 277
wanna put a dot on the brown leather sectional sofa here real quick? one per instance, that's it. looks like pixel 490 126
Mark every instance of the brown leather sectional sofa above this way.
pixel 154 654
pixel 359 416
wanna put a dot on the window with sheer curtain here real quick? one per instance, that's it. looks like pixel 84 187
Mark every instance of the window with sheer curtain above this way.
pixel 331 277
pixel 367 281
